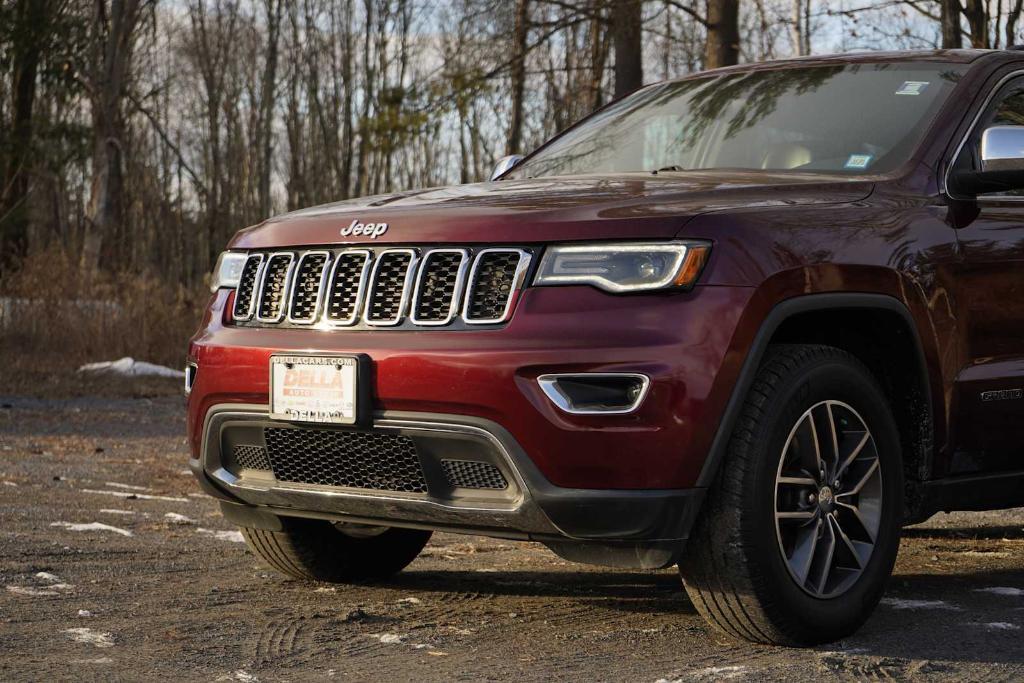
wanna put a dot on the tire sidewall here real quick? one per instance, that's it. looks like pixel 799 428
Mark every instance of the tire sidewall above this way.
pixel 822 619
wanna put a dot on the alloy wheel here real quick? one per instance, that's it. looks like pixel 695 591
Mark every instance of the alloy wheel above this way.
pixel 828 499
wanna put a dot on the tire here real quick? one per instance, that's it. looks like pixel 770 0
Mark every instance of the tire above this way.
pixel 317 550
pixel 756 578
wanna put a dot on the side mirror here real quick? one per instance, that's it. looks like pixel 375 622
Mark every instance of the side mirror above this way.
pixel 505 165
pixel 1002 163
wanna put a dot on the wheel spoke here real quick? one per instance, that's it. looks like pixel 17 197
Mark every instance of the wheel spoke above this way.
pixel 825 554
pixel 853 456
pixel 860 484
pixel 861 561
pixel 855 511
pixel 816 442
pixel 798 481
pixel 803 552
pixel 834 435
pixel 797 515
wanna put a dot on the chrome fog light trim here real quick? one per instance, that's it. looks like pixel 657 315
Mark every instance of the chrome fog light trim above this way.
pixel 550 385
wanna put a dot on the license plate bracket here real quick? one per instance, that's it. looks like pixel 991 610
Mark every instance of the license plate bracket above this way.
pixel 319 389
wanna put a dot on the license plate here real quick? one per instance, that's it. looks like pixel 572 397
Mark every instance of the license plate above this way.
pixel 318 389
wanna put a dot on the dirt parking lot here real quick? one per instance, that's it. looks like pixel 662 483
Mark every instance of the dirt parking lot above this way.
pixel 114 567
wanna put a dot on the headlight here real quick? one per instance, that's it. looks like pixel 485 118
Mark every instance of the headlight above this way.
pixel 624 267
pixel 228 270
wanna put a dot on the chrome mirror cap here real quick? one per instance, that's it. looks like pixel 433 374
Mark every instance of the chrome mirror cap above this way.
pixel 505 164
pixel 1002 148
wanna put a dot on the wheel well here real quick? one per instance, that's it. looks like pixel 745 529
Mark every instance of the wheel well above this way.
pixel 884 341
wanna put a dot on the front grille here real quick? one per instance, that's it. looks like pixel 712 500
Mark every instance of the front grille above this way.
pixel 389 286
pixel 306 289
pixel 364 460
pixel 251 457
pixel 491 285
pixel 472 474
pixel 437 287
pixel 245 295
pixel 364 288
pixel 272 292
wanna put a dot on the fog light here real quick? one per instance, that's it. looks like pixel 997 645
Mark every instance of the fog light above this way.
pixel 596 393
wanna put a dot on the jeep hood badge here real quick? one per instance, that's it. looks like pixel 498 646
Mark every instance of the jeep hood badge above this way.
pixel 371 230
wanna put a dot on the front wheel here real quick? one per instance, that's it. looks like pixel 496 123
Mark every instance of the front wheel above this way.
pixel 801 529
pixel 318 550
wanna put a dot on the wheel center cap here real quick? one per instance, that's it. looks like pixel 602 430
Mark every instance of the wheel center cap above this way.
pixel 826 499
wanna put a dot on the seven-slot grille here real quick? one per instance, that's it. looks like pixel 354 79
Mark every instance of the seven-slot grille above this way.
pixel 380 287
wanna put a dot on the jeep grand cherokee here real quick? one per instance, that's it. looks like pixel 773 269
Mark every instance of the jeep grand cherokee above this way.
pixel 750 322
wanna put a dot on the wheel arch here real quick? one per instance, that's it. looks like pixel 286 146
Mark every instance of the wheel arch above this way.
pixel 811 318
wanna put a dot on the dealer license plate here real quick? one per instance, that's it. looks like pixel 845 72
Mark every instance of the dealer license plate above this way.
pixel 318 389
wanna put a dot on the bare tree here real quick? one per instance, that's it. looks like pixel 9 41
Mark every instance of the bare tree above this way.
pixel 627 23
pixel 723 41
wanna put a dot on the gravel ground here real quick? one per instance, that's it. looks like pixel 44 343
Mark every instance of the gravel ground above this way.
pixel 113 566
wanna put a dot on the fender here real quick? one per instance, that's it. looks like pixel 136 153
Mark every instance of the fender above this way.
pixel 776 316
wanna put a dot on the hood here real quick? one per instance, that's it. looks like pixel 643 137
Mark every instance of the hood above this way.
pixel 633 206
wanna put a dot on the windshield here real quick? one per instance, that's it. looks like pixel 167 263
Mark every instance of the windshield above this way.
pixel 851 119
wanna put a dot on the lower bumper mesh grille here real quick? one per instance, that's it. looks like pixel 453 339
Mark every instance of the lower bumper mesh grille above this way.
pixel 471 474
pixel 251 457
pixel 365 460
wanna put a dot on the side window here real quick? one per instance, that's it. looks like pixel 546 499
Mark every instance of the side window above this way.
pixel 1005 109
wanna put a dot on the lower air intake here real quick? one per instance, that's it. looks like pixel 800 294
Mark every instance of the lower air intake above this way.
pixel 363 460
pixel 251 457
pixel 472 474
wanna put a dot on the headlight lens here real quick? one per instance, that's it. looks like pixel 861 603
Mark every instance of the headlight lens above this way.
pixel 228 270
pixel 624 267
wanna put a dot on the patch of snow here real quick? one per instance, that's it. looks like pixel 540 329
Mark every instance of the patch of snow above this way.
pixel 9 483
pixel 711 673
pixel 47 592
pixel 84 613
pixel 899 603
pixel 130 487
pixel 97 660
pixel 1001 626
pixel 410 601
pixel 387 638
pixel 179 519
pixel 90 637
pixel 233 536
pixel 239 675
pixel 1005 591
pixel 129 367
pixel 140 496
pixel 92 526
pixel 47 576
pixel 117 512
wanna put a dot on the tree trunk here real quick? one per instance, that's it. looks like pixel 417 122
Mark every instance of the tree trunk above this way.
pixel 1011 23
pixel 952 38
pixel 977 22
pixel 113 32
pixel 519 33
pixel 723 42
pixel 627 20
pixel 274 13
pixel 31 20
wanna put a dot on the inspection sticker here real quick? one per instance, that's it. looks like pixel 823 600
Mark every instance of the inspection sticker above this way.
pixel 858 161
pixel 912 87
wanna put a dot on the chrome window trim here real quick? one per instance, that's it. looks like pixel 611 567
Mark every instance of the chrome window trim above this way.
pixel 457 293
pixel 403 303
pixel 967 136
pixel 518 279
pixel 257 289
pixel 549 385
pixel 357 307
pixel 284 293
pixel 320 292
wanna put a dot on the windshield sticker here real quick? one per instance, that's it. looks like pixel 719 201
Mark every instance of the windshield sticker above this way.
pixel 858 161
pixel 912 87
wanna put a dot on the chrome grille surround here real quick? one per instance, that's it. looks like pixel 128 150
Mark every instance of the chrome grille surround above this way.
pixel 308 287
pixel 380 296
pixel 345 298
pixel 513 281
pixel 248 290
pixel 442 296
pixel 274 286
pixel 401 288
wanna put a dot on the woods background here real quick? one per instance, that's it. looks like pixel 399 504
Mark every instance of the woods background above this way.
pixel 137 135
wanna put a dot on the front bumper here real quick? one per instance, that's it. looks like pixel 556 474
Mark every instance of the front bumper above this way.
pixel 529 508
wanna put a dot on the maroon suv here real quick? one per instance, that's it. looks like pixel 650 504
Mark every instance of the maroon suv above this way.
pixel 751 321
